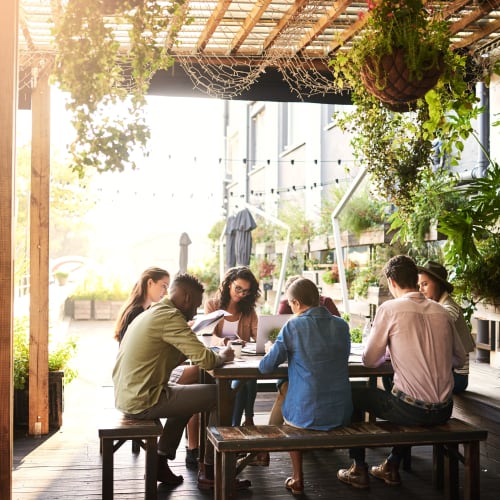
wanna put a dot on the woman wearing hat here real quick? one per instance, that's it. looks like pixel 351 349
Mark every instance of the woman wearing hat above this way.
pixel 433 283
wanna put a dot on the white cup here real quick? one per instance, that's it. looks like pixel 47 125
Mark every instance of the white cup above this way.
pixel 206 338
pixel 236 346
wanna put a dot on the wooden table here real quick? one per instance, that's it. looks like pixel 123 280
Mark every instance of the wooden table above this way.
pixel 248 369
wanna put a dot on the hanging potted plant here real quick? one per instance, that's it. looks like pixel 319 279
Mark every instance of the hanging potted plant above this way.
pixel 395 136
pixel 402 52
pixel 107 78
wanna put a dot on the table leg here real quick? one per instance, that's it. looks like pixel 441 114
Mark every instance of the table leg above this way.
pixel 225 401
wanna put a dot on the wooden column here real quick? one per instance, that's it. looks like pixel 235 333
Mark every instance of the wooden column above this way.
pixel 39 256
pixel 9 10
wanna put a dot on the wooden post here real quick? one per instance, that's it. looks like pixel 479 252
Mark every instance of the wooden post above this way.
pixel 9 10
pixel 38 422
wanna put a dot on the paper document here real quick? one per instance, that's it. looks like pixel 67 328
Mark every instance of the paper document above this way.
pixel 202 323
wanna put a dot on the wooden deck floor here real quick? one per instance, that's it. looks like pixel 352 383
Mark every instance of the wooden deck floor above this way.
pixel 67 465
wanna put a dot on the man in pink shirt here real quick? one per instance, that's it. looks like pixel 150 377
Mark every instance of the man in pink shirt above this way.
pixel 420 338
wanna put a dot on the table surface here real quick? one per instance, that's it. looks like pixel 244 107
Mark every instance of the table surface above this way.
pixel 248 367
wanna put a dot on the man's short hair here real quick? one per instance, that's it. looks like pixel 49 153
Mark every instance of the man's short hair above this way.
pixel 403 270
pixel 188 282
pixel 305 291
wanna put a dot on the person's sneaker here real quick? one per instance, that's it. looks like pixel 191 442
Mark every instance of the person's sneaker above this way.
pixel 192 458
pixel 388 472
pixel 356 475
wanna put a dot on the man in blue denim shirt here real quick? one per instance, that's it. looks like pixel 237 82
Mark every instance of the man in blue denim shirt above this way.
pixel 317 346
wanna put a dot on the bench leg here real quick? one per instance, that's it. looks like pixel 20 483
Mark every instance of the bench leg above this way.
pixel 218 479
pixel 228 476
pixel 437 466
pixel 471 471
pixel 451 471
pixel 151 489
pixel 107 469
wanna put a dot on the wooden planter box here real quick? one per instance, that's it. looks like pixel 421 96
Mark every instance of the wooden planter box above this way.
pixel 82 309
pixel 116 305
pixel 264 248
pixel 102 309
pixel 56 402
pixel 280 246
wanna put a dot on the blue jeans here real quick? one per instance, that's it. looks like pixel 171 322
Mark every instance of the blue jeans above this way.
pixel 244 400
pixel 461 382
pixel 388 407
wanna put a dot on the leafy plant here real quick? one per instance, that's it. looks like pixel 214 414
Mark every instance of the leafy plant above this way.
pixel 60 354
pixel 366 276
pixel 396 144
pixel 363 211
pixel 107 86
pixel 273 334
pixel 473 245
pixel 98 287
pixel 356 335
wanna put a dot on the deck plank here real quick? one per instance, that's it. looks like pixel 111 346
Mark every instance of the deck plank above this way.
pixel 67 465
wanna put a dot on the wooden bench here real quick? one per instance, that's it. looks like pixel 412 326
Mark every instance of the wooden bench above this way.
pixel 114 430
pixel 229 441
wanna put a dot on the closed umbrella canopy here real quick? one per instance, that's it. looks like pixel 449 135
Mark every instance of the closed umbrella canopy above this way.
pixel 184 242
pixel 244 224
pixel 230 240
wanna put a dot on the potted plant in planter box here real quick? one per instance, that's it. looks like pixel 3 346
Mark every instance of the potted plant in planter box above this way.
pixel 60 373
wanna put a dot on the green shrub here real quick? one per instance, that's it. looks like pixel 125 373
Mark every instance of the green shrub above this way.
pixel 356 335
pixel 60 354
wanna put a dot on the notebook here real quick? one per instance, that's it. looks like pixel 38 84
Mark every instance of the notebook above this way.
pixel 267 322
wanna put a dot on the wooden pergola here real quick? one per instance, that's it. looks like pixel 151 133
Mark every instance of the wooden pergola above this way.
pixel 272 45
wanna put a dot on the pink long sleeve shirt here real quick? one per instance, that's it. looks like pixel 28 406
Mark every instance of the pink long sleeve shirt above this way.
pixel 423 344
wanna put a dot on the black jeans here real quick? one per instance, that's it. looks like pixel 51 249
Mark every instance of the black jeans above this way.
pixel 388 407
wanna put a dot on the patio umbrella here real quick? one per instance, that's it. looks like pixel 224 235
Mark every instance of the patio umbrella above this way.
pixel 245 224
pixel 183 253
pixel 230 237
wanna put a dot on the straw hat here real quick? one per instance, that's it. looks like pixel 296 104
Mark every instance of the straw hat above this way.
pixel 438 272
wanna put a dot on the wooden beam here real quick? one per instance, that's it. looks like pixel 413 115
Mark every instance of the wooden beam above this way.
pixel 39 256
pixel 275 33
pixel 212 24
pixel 334 11
pixel 249 24
pixel 483 9
pixel 9 12
pixel 492 27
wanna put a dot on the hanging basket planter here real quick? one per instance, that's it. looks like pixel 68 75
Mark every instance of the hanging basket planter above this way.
pixel 391 81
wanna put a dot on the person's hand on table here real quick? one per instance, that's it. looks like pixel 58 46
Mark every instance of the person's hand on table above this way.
pixel 226 354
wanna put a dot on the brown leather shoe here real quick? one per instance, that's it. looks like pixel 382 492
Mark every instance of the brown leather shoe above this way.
pixel 388 472
pixel 356 475
pixel 206 479
pixel 165 475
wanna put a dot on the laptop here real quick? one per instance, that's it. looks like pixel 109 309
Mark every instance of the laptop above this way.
pixel 267 322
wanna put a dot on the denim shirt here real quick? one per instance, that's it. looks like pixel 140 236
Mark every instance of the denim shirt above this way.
pixel 317 346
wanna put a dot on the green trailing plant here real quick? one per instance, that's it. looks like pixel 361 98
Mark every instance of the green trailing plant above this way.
pixel 396 144
pixel 60 354
pixel 106 81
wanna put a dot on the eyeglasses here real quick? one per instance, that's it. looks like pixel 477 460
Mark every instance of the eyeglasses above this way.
pixel 241 291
